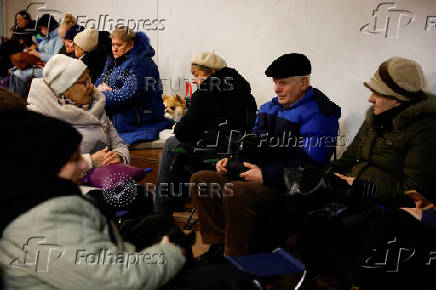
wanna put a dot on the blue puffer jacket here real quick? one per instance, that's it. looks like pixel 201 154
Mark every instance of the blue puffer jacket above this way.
pixel 135 100
pixel 304 132
pixel 50 45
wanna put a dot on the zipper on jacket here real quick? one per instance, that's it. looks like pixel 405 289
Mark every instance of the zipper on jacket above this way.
pixel 138 118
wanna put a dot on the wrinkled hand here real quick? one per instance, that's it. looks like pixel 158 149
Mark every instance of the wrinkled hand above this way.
pixel 99 156
pixel 112 157
pixel 348 179
pixel 104 87
pixel 221 166
pixel 416 196
pixel 166 240
pixel 253 174
pixel 416 212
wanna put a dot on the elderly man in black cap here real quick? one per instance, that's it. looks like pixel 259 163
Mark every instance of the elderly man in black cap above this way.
pixel 297 127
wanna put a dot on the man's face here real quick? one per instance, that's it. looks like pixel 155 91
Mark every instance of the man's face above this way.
pixel 382 104
pixel 291 89
pixel 74 169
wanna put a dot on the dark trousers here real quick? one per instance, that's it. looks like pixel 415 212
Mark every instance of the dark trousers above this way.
pixel 398 253
pixel 227 210
pixel 168 198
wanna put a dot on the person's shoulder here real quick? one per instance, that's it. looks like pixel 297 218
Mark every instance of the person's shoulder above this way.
pixel 59 210
pixel 320 104
pixel 269 106
pixel 72 203
pixel 422 113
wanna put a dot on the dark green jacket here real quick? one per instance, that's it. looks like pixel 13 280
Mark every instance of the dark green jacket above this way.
pixel 397 160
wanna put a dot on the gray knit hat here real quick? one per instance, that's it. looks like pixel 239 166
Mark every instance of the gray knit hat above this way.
pixel 400 78
pixel 209 59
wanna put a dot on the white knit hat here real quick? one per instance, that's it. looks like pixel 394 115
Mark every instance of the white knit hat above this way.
pixel 398 77
pixel 87 39
pixel 209 59
pixel 61 72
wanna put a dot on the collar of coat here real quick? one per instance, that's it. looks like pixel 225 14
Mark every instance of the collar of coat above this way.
pixel 42 99
pixel 19 197
pixel 410 114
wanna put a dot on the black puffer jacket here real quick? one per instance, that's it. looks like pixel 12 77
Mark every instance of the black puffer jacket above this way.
pixel 225 95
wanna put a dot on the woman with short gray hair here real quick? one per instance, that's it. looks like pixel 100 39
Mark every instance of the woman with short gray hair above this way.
pixel 130 82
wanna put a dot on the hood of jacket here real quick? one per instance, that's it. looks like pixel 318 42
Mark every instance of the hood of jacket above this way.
pixel 54 33
pixel 142 48
pixel 42 99
pixel 229 80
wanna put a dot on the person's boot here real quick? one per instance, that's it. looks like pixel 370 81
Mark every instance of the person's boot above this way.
pixel 215 255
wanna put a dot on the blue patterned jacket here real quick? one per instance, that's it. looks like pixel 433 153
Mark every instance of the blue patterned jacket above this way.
pixel 135 100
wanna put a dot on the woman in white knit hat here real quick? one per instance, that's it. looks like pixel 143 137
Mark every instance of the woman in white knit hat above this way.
pixel 67 93
pixel 88 50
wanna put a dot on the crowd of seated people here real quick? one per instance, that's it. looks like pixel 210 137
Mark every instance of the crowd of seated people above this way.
pixel 57 126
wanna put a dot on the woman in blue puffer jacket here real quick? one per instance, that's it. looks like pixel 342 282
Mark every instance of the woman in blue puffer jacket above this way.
pixel 130 82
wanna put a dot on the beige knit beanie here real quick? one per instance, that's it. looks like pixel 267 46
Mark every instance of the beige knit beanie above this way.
pixel 209 59
pixel 398 77
pixel 87 39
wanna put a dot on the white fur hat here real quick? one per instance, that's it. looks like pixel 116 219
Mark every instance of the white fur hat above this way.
pixel 61 72
pixel 87 39
pixel 209 59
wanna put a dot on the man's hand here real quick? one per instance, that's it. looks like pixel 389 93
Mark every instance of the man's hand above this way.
pixel 254 174
pixel 348 179
pixel 99 156
pixel 416 196
pixel 112 157
pixel 221 166
pixel 417 211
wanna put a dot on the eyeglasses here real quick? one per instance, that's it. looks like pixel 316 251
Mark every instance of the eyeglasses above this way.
pixel 86 83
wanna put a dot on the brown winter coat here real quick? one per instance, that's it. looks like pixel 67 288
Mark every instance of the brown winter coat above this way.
pixel 397 160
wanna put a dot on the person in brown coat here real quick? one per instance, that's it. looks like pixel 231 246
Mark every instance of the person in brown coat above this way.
pixel 393 152
pixel 389 164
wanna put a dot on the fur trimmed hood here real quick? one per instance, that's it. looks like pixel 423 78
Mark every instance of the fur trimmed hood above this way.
pixel 140 49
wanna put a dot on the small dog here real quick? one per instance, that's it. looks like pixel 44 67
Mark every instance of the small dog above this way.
pixel 175 108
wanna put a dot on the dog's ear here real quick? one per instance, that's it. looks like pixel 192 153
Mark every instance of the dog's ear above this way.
pixel 164 97
pixel 179 99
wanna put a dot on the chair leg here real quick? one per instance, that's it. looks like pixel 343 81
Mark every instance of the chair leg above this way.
pixel 188 224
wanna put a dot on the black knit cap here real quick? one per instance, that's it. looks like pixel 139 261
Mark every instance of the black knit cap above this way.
pixel 72 31
pixel 35 145
pixel 289 65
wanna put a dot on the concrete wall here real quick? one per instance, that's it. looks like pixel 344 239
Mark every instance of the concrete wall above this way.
pixel 346 40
